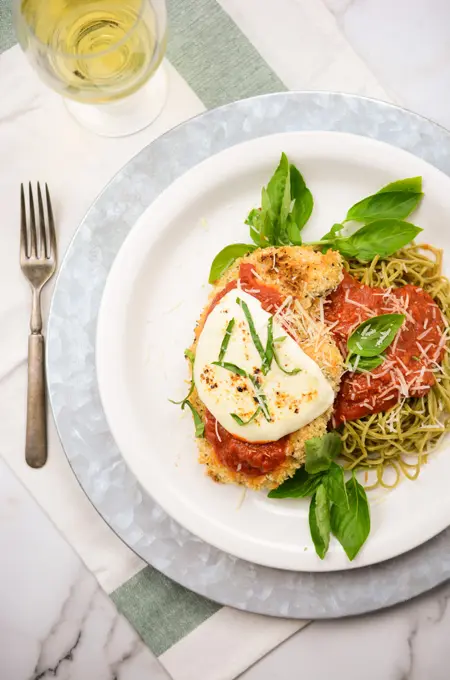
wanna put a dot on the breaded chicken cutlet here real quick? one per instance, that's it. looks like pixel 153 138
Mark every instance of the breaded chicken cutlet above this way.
pixel 300 279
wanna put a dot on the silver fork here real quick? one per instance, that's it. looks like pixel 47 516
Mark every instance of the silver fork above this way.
pixel 38 262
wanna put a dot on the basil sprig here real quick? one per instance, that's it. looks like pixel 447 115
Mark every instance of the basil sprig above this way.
pixel 375 335
pixel 336 507
pixel 396 200
pixel 286 206
pixel 226 257
pixel 385 230
pixel 382 237
pixel 199 426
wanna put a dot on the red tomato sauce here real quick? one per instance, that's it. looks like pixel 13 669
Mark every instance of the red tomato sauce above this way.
pixel 417 349
pixel 269 297
pixel 248 458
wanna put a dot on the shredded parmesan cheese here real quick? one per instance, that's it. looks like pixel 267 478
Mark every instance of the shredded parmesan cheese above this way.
pixel 217 432
pixel 256 275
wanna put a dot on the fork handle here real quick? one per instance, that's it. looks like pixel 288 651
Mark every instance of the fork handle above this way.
pixel 36 436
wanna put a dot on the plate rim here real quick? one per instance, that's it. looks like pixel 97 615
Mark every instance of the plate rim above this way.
pixel 366 117
pixel 113 310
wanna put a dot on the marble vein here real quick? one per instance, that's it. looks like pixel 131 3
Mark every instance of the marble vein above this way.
pixel 67 657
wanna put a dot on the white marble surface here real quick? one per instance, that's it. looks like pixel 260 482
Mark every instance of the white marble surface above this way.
pixel 55 621
pixel 406 45
pixel 408 642
pixel 395 50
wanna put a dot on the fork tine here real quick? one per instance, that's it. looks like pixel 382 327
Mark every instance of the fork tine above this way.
pixel 33 251
pixel 23 225
pixel 51 225
pixel 43 245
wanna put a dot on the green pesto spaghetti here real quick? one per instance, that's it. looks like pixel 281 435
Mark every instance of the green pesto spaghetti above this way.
pixel 400 439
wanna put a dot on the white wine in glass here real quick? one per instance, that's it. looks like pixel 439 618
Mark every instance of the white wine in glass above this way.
pixel 99 52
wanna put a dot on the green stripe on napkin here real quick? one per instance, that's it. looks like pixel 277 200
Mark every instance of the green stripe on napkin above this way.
pixel 213 56
pixel 160 610
pixel 7 35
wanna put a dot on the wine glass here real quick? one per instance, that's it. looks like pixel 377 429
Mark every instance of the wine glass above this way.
pixel 103 56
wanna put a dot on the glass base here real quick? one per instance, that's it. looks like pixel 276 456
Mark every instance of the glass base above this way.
pixel 125 116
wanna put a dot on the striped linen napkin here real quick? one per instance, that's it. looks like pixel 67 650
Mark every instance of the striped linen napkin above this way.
pixel 217 52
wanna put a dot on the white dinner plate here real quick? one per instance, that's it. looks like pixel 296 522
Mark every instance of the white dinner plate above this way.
pixel 155 292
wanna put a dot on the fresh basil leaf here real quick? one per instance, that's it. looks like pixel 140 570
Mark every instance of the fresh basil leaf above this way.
pixel 268 231
pixel 245 422
pixel 334 483
pixel 382 237
pixel 330 236
pixel 333 233
pixel 300 485
pixel 286 205
pixel 255 337
pixel 395 200
pixel 391 204
pixel 319 521
pixel 276 188
pixel 303 202
pixel 293 231
pixel 253 216
pixel 226 257
pixel 285 208
pixel 198 422
pixel 321 451
pixel 265 200
pixel 351 525
pixel 411 184
pixel 374 335
pixel 367 363
pixel 226 339
pixel 262 229
pixel 255 220
pixel 298 184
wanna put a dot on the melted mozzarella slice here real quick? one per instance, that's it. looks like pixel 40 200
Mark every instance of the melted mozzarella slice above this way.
pixel 293 400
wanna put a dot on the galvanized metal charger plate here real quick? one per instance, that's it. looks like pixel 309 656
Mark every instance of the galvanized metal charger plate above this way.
pixel 84 432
